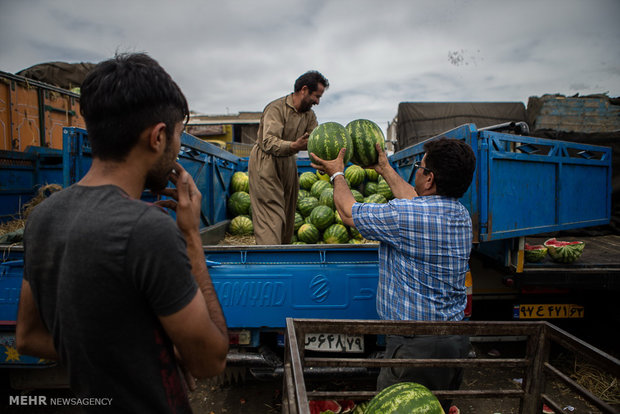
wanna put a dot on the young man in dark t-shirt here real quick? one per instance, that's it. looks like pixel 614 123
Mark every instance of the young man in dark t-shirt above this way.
pixel 113 288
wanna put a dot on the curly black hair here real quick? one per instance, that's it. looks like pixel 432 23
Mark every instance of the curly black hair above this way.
pixel 311 79
pixel 453 163
pixel 123 96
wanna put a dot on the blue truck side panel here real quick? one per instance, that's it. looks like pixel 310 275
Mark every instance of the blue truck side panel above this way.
pixel 210 167
pixel 261 286
pixel 526 185
pixel 23 173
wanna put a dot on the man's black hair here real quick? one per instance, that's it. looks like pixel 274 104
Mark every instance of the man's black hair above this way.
pixel 311 79
pixel 123 96
pixel 453 163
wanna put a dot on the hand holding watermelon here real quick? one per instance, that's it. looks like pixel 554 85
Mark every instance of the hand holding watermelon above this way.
pixel 329 166
pixel 382 160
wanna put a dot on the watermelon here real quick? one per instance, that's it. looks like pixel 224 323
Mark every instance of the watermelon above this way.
pixel 299 242
pixel 327 198
pixel 306 205
pixel 384 189
pixel 322 217
pixel 240 182
pixel 371 174
pixel 324 407
pixel 302 194
pixel 336 234
pixel 357 196
pixel 355 241
pixel 307 220
pixel 564 251
pixel 318 187
pixel 328 139
pixel 370 188
pixel 355 233
pixel 375 198
pixel 355 175
pixel 337 218
pixel 299 220
pixel 239 203
pixel 241 226
pixel 306 179
pixel 535 253
pixel 365 135
pixel 322 176
pixel 404 397
pixel 308 233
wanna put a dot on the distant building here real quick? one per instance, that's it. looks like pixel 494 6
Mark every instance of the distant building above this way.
pixel 235 133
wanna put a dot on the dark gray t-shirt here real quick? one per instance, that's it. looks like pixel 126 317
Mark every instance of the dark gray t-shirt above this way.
pixel 102 267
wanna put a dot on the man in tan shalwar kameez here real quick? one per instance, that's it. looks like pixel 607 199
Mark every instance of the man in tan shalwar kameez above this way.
pixel 284 128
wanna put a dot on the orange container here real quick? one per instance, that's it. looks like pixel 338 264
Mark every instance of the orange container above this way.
pixel 33 113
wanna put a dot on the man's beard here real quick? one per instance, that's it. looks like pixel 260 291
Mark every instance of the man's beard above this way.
pixel 305 106
pixel 158 176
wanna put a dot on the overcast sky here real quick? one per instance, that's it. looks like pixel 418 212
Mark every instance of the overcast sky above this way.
pixel 237 55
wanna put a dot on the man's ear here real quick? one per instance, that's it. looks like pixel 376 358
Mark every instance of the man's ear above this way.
pixel 429 180
pixel 157 137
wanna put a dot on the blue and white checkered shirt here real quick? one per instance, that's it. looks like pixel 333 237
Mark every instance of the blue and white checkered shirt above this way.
pixel 423 256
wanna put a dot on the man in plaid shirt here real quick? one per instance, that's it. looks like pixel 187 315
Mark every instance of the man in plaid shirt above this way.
pixel 425 237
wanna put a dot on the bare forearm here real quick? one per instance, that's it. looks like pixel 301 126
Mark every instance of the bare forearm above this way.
pixel 32 336
pixel 203 279
pixel 400 188
pixel 344 200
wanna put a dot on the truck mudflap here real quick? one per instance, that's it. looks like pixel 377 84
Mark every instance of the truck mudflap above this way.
pixel 260 286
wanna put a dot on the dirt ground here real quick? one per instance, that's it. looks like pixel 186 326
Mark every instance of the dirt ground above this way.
pixel 243 394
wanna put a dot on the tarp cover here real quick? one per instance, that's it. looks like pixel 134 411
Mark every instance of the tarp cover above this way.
pixel 418 121
pixel 61 74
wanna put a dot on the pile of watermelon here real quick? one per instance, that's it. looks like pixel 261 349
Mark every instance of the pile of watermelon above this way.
pixel 317 221
pixel 239 206
pixel 559 251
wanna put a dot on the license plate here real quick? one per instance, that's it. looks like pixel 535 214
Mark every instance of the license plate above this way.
pixel 334 342
pixel 548 311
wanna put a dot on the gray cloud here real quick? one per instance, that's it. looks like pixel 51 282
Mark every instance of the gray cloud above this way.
pixel 238 55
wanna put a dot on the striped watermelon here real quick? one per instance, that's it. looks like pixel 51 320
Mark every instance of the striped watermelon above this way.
pixel 308 233
pixel 327 198
pixel 357 196
pixel 355 233
pixel 328 139
pixel 302 194
pixel 306 179
pixel 375 198
pixel 355 175
pixel 336 234
pixel 239 182
pixel 370 188
pixel 241 226
pixel 306 205
pixel 307 220
pixel 371 174
pixel 239 203
pixel 318 187
pixel 337 218
pixel 404 397
pixel 384 189
pixel 322 217
pixel 365 134
pixel 299 220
